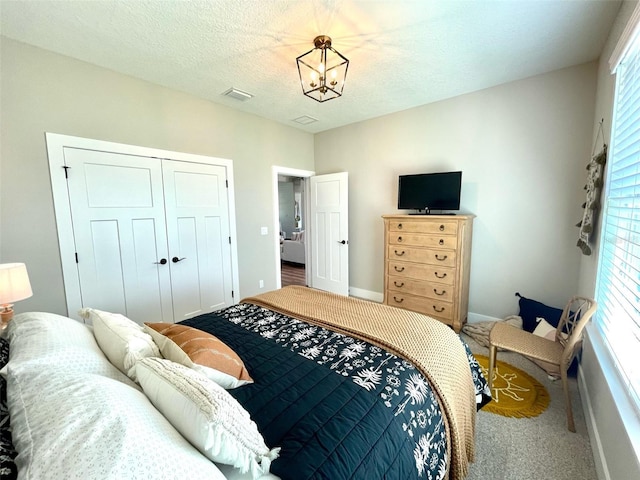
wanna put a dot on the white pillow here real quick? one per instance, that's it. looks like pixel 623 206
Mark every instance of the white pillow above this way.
pixel 206 414
pixel 86 426
pixel 122 340
pixel 43 340
pixel 545 329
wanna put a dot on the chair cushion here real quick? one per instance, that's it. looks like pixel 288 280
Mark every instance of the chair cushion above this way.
pixel 520 341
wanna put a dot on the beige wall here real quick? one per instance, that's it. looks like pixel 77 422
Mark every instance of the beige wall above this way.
pixel 522 147
pixel 45 92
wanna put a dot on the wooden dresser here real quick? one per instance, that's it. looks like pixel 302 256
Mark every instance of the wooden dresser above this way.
pixel 426 265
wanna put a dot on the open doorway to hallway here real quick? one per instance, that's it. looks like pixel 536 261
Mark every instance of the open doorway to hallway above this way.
pixel 291 208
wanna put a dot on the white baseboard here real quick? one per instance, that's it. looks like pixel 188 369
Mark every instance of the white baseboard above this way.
pixel 594 437
pixel 478 317
pixel 366 294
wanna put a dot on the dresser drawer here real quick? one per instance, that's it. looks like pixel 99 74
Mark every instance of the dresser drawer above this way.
pixel 444 227
pixel 434 308
pixel 422 240
pixel 436 291
pixel 445 258
pixel 435 273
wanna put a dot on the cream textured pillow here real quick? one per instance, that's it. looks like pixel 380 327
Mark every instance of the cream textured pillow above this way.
pixel 545 329
pixel 122 340
pixel 201 351
pixel 548 331
pixel 206 415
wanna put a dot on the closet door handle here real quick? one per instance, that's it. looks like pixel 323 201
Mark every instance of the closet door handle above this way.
pixel 162 261
pixel 176 259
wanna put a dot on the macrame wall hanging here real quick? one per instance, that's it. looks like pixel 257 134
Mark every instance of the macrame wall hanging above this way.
pixel 595 170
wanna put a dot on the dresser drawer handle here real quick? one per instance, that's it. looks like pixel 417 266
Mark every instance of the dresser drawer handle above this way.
pixel 441 242
pixel 440 259
pixel 439 311
pixel 400 269
pixel 439 275
pixel 398 301
pixel 441 293
pixel 401 284
pixel 399 226
pixel 399 239
pixel 399 254
pixel 442 228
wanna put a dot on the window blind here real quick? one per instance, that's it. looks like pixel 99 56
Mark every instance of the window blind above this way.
pixel 618 278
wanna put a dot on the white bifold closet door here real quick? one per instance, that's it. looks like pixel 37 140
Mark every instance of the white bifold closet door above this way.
pixel 152 236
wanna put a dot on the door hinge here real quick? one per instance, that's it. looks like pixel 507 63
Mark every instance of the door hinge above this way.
pixel 226 182
pixel 232 295
pixel 77 257
pixel 66 171
pixel 229 240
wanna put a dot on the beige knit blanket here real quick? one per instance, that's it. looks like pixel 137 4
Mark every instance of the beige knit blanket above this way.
pixel 430 345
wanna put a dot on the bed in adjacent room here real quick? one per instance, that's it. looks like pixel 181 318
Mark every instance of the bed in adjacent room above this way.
pixel 328 387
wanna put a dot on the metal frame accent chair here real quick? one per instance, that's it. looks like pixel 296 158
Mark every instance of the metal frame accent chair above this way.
pixel 559 352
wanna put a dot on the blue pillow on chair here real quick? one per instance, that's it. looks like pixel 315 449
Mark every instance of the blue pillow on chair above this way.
pixel 532 309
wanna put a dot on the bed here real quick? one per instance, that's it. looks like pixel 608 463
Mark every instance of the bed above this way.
pixel 340 389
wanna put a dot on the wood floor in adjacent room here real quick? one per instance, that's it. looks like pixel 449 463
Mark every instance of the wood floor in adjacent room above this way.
pixel 293 274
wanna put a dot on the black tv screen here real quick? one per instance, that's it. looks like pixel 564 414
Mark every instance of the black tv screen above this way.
pixel 429 191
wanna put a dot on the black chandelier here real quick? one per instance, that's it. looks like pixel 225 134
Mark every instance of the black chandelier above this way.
pixel 322 70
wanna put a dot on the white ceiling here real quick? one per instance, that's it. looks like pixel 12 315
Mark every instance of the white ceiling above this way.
pixel 403 53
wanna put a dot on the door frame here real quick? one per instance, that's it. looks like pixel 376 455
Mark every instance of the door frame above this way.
pixel 56 144
pixel 289 172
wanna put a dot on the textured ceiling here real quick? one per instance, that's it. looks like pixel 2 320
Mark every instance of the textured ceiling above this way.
pixel 403 53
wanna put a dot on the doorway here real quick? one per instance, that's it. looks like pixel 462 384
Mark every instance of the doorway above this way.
pixel 292 221
pixel 290 213
pixel 325 211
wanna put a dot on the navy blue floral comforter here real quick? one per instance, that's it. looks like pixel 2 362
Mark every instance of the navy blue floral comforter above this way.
pixel 340 407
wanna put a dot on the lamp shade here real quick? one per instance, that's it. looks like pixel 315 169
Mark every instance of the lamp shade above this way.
pixel 14 283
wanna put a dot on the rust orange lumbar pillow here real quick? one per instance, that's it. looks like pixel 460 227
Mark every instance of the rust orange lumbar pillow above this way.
pixel 201 351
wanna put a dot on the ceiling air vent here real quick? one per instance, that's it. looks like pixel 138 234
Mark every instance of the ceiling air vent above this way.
pixel 238 94
pixel 305 120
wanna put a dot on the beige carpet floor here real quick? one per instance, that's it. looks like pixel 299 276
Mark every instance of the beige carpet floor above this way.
pixel 538 448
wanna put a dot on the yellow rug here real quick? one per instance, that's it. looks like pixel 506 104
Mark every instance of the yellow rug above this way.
pixel 515 393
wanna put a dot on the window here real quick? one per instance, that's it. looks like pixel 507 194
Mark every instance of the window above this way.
pixel 618 280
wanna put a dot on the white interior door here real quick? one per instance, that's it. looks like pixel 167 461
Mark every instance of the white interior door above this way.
pixel 329 221
pixel 197 217
pixel 119 230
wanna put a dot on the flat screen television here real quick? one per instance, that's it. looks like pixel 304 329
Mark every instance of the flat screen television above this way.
pixel 429 191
